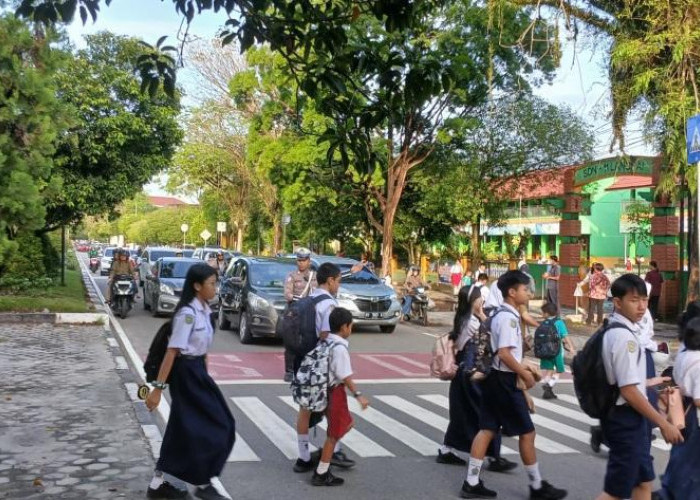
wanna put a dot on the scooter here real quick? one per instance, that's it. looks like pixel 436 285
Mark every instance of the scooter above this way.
pixel 94 264
pixel 122 295
pixel 419 306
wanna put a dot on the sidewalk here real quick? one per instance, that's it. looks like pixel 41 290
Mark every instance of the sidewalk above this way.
pixel 68 428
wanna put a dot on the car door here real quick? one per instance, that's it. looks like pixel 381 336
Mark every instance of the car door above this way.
pixel 150 285
pixel 239 272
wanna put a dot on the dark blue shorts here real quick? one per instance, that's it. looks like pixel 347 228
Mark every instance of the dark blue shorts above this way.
pixel 503 405
pixel 630 463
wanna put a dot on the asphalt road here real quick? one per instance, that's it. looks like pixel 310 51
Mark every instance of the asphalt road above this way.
pixel 395 442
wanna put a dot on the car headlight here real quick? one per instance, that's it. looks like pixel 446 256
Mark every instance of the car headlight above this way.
pixel 347 296
pixel 167 290
pixel 257 302
pixel 393 296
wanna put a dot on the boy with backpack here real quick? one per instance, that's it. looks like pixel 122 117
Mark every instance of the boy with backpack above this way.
pixel 630 471
pixel 505 408
pixel 551 338
pixel 339 378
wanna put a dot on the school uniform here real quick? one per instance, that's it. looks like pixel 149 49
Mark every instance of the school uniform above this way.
pixel 323 310
pixel 337 413
pixel 646 326
pixel 201 430
pixel 625 431
pixel 505 408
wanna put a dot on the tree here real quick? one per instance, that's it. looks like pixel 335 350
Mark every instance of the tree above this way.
pixel 31 119
pixel 638 215
pixel 119 138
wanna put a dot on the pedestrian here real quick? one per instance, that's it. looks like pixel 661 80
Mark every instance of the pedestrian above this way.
pixel 552 367
pixel 552 276
pixel 464 395
pixel 506 409
pixel 220 263
pixel 630 470
pixel 656 280
pixel 456 276
pixel 598 288
pixel 468 278
pixel 339 379
pixel 200 432
pixel 628 265
pixel 297 285
pixel 328 277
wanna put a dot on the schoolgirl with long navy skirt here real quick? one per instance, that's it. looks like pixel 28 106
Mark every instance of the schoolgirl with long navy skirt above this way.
pixel 201 430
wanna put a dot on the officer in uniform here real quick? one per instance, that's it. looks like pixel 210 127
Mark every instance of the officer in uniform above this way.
pixel 298 284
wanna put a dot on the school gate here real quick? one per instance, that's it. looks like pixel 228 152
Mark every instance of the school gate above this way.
pixel 664 226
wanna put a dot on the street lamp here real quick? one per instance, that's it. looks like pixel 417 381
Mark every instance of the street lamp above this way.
pixel 184 228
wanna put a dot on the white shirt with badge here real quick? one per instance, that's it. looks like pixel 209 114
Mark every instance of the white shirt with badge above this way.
pixel 623 356
pixel 192 330
pixel 323 310
pixel 646 333
pixel 505 332
pixel 340 367
pixel 686 373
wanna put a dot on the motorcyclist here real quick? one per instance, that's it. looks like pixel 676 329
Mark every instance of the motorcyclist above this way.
pixel 220 263
pixel 121 266
pixel 413 281
pixel 93 252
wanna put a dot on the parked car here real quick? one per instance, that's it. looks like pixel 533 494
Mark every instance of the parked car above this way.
pixel 149 257
pixel 163 285
pixel 201 253
pixel 365 295
pixel 106 260
pixel 251 296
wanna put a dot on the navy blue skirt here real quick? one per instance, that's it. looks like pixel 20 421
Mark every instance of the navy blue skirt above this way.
pixel 201 430
pixel 681 481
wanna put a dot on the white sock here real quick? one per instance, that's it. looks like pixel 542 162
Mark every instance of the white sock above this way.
pixel 545 380
pixel 156 481
pixel 323 467
pixel 215 482
pixel 444 449
pixel 552 381
pixel 304 452
pixel 533 473
pixel 473 471
pixel 337 447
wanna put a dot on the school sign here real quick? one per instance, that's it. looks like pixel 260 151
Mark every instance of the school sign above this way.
pixel 611 167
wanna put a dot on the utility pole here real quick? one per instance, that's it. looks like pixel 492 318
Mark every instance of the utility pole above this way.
pixel 63 255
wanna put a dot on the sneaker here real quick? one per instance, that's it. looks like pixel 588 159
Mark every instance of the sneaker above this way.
pixel 166 491
pixel 341 460
pixel 326 479
pixel 547 492
pixel 288 376
pixel 501 464
pixel 548 392
pixel 303 465
pixel 449 458
pixel 596 438
pixel 478 491
pixel 209 493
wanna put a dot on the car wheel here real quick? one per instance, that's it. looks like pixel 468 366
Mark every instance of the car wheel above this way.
pixel 146 305
pixel 387 328
pixel 244 328
pixel 223 323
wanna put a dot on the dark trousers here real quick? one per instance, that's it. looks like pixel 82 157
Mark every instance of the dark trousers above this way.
pixel 595 306
pixel 654 306
pixel 288 361
pixel 553 297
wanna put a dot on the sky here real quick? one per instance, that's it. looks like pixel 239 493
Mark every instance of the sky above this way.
pixel 581 82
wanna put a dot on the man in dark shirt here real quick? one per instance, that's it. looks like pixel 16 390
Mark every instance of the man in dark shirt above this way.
pixel 654 278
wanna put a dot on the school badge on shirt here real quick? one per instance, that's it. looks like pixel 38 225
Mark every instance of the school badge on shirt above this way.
pixel 513 323
pixel 631 346
pixel 189 319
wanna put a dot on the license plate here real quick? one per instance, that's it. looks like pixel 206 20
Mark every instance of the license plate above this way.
pixel 373 315
pixel 124 283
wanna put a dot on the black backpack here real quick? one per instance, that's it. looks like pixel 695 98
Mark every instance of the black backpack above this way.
pixel 156 352
pixel 595 395
pixel 483 359
pixel 547 341
pixel 297 325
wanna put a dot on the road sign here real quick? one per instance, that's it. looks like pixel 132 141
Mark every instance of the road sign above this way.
pixel 220 227
pixel 286 219
pixel 184 228
pixel 693 139
pixel 205 235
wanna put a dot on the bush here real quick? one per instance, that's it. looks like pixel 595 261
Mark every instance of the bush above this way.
pixel 10 285
pixel 28 261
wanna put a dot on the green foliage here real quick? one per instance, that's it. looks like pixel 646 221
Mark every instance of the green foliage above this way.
pixel 639 215
pixel 28 261
pixel 162 226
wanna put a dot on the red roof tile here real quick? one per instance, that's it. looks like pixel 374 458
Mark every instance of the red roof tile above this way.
pixel 545 183
pixel 630 182
pixel 166 201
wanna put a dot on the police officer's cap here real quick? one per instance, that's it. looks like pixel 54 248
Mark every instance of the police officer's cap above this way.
pixel 303 253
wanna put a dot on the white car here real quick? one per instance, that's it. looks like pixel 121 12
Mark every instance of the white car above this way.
pixel 106 260
pixel 149 257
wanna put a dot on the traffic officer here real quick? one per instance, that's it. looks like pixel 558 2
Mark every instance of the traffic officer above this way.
pixel 297 285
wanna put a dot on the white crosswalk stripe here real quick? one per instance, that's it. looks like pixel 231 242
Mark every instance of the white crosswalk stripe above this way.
pixel 242 452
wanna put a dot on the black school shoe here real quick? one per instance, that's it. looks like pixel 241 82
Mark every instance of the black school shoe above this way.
pixel 596 438
pixel 449 458
pixel 209 493
pixel 303 465
pixel 326 479
pixel 166 491
pixel 501 464
pixel 547 492
pixel 340 459
pixel 548 392
pixel 478 491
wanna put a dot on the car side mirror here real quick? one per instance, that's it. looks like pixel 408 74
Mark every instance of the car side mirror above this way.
pixel 235 281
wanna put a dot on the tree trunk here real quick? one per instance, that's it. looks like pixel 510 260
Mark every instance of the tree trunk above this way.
pixel 476 245
pixel 277 239
pixel 239 237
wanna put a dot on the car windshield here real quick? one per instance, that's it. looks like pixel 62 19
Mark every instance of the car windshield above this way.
pixel 270 274
pixel 187 253
pixel 154 255
pixel 109 252
pixel 177 270
pixel 364 277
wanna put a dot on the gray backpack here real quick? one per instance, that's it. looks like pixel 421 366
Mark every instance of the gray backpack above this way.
pixel 310 384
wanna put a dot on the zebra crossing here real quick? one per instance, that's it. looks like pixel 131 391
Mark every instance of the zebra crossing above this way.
pixel 396 426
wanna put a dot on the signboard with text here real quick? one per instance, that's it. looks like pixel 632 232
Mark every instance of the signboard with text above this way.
pixel 693 139
pixel 611 167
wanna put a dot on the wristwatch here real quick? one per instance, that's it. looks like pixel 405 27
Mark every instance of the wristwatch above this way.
pixel 159 385
pixel 357 394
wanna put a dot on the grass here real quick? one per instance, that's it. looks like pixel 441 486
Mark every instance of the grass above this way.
pixel 57 298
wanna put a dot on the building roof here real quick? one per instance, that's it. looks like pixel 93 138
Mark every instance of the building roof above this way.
pixel 547 183
pixel 631 182
pixel 166 201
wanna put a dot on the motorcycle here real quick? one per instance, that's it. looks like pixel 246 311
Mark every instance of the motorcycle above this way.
pixel 419 306
pixel 94 264
pixel 122 295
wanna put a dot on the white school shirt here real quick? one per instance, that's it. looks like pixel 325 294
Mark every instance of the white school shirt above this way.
pixel 495 297
pixel 323 310
pixel 623 356
pixel 340 367
pixel 192 330
pixel 646 332
pixel 505 332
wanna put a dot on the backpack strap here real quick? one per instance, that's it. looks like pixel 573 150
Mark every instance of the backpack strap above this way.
pixel 609 326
